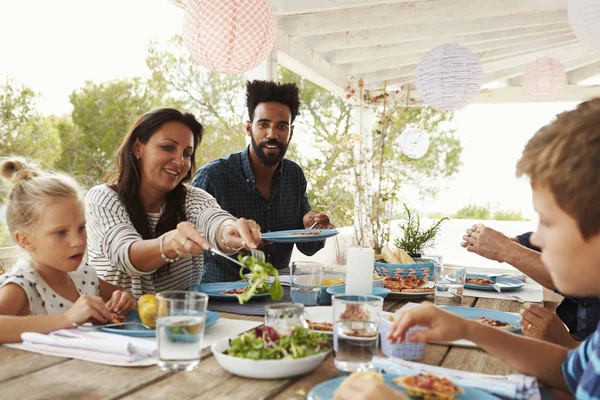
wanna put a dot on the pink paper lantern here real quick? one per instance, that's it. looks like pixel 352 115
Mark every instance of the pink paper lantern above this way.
pixel 229 36
pixel 544 76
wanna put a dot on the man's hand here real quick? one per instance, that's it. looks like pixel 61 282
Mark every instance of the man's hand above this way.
pixel 322 220
pixel 487 242
pixel 542 323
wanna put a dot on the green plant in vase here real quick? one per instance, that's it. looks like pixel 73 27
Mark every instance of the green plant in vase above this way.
pixel 415 239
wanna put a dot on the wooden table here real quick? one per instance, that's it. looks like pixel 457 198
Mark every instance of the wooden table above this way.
pixel 25 375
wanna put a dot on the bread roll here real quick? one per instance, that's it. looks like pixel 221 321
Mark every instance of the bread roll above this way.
pixel 404 257
pixel 389 256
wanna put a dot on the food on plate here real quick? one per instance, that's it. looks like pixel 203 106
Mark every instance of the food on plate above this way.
pixel 479 281
pixel 355 312
pixel 428 387
pixel 495 323
pixel 363 333
pixel 403 256
pixel 406 284
pixel 147 310
pixel 320 326
pixel 312 233
pixel 259 277
pixel 368 375
pixel 332 282
pixel 389 256
pixel 234 292
pixel 265 343
pixel 116 318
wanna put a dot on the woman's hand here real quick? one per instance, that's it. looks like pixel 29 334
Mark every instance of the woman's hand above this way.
pixel 443 326
pixel 240 234
pixel 542 323
pixel 87 308
pixel 121 302
pixel 184 241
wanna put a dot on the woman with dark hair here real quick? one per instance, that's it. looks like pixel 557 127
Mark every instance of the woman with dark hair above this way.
pixel 146 229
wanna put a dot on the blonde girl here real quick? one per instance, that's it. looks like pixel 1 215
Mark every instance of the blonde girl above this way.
pixel 53 288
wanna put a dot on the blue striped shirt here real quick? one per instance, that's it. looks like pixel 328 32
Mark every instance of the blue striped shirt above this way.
pixel 230 180
pixel 581 369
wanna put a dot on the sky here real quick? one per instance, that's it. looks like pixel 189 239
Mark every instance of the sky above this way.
pixel 54 46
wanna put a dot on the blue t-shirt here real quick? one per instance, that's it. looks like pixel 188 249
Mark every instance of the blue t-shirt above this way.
pixel 580 314
pixel 581 369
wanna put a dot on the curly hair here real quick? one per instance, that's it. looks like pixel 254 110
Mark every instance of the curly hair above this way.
pixel 269 91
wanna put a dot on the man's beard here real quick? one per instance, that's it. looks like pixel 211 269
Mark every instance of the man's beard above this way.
pixel 269 160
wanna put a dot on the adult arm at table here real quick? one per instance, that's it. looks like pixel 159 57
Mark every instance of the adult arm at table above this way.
pixel 528 356
pixel 495 245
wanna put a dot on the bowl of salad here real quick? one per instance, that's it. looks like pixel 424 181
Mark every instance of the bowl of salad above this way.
pixel 265 354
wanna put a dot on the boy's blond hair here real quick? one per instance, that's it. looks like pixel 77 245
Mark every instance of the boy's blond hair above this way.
pixel 31 191
pixel 565 156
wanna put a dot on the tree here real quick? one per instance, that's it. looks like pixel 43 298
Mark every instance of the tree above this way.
pixel 488 212
pixel 4 235
pixel 102 115
pixel 217 100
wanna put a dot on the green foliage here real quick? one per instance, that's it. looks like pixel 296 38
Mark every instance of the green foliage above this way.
pixel 217 100
pixel 415 239
pixel 472 211
pixel 5 239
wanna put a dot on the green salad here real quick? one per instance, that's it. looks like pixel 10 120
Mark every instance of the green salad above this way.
pixel 265 343
pixel 259 277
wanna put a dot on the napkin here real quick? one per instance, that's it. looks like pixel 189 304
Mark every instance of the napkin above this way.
pixel 519 387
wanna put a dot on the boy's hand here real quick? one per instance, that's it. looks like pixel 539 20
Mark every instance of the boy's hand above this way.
pixel 121 302
pixel 443 326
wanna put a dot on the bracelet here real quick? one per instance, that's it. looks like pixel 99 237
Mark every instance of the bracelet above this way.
pixel 229 249
pixel 165 257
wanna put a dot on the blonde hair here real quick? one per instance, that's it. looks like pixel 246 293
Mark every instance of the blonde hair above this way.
pixel 564 155
pixel 32 190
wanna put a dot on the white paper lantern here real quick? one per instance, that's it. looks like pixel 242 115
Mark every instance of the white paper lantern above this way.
pixel 229 36
pixel 544 76
pixel 584 17
pixel 449 77
pixel 414 143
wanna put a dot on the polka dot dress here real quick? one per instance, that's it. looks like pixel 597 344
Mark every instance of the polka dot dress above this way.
pixel 42 299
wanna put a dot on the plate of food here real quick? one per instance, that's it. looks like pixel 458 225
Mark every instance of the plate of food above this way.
pixel 137 328
pixel 299 235
pixel 263 353
pixel 227 290
pixel 341 289
pixel 319 319
pixel 403 287
pixel 417 386
pixel 501 320
pixel 485 282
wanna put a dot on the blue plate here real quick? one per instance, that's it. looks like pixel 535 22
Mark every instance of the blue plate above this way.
pixel 505 284
pixel 341 289
pixel 140 331
pixel 287 236
pixel 474 313
pixel 214 290
pixel 325 390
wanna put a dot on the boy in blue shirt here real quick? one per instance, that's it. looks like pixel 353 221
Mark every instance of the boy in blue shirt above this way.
pixel 562 160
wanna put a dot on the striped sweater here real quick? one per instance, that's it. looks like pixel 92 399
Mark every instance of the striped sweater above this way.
pixel 111 233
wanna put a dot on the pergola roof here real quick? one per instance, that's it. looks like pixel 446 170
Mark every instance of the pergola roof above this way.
pixel 331 41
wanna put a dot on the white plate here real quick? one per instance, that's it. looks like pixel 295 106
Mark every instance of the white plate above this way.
pixel 320 314
pixel 412 295
pixel 264 369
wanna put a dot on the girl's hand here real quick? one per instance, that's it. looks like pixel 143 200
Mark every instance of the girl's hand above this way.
pixel 241 234
pixel 121 302
pixel 443 326
pixel 86 309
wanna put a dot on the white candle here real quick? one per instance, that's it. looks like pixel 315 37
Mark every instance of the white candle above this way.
pixel 359 270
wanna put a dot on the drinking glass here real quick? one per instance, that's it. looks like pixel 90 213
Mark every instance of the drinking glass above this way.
pixel 306 278
pixel 355 330
pixel 181 317
pixel 284 317
pixel 449 285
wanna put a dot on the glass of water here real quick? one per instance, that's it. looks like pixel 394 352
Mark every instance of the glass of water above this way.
pixel 449 285
pixel 355 330
pixel 181 317
pixel 284 317
pixel 306 278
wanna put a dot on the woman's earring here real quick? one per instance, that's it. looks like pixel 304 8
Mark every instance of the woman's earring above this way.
pixel 134 161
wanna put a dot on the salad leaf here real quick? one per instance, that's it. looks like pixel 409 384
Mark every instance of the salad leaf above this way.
pixel 259 275
pixel 265 343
